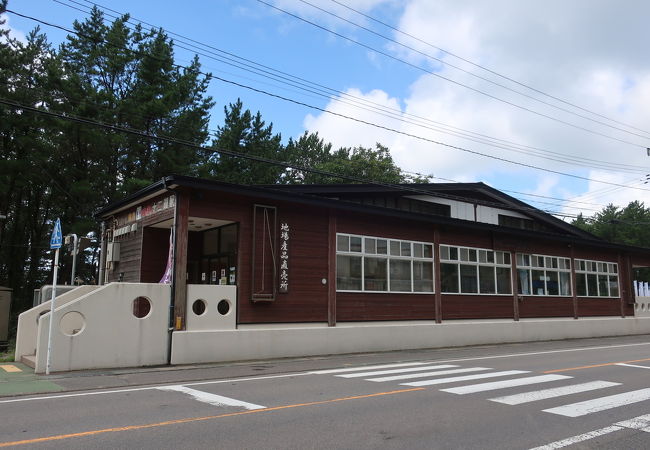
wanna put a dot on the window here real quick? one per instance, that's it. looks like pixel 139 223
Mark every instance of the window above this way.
pixel 373 264
pixel 465 270
pixel 596 279
pixel 543 275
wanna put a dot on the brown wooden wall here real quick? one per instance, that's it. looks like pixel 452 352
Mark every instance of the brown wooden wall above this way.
pixel 306 300
pixel 477 307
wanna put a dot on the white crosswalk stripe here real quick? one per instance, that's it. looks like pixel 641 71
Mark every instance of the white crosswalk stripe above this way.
pixel 533 396
pixel 390 371
pixel 465 378
pixel 354 369
pixel 494 385
pixel 409 376
pixel 601 404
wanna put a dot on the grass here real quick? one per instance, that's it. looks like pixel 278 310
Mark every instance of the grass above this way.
pixel 8 355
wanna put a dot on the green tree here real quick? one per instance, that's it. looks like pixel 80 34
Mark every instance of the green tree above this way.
pixel 245 133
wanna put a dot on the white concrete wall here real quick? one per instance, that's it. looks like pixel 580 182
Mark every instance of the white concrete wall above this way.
pixel 211 319
pixel 28 321
pixel 99 330
pixel 642 307
pixel 273 342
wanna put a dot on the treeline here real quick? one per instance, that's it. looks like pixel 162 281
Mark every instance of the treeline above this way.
pixel 124 77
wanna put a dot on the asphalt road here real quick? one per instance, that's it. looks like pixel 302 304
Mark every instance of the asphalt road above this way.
pixel 582 394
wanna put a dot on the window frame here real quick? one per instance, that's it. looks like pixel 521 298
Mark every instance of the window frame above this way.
pixel 531 267
pixel 594 267
pixel 364 253
pixel 471 256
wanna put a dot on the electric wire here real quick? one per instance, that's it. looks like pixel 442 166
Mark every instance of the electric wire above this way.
pixel 450 80
pixel 442 61
pixel 398 114
pixel 372 124
pixel 411 188
pixel 482 67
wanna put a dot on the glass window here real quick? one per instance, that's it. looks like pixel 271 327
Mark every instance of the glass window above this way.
pixel 343 243
pixel 453 253
pixel 468 279
pixel 592 285
pixel 565 283
pixel 581 284
pixel 400 275
pixel 613 286
pixel 449 278
pixel 371 245
pixel 600 278
pixel 369 267
pixel 503 280
pixel 539 282
pixel 486 279
pixel 422 276
pixel 603 286
pixel 552 283
pixel 524 281
pixel 348 273
pixel 482 271
pixel 374 274
pixel 548 275
pixel 355 244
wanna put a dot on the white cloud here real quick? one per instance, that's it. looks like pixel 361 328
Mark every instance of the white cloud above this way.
pixel 586 52
pixel 13 33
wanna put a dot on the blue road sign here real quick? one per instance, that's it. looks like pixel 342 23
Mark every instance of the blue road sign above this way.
pixel 57 237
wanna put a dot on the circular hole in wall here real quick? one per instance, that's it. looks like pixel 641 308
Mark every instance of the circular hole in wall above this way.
pixel 223 307
pixel 72 323
pixel 141 307
pixel 198 307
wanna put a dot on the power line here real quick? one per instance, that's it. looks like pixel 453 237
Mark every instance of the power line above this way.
pixel 372 124
pixel 403 33
pixel 268 72
pixel 442 61
pixel 412 188
pixel 450 80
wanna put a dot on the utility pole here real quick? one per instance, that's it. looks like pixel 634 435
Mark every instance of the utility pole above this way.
pixel 75 250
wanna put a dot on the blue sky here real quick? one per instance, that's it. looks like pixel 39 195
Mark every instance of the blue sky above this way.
pixel 588 53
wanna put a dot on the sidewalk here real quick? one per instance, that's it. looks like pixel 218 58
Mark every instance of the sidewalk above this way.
pixel 17 378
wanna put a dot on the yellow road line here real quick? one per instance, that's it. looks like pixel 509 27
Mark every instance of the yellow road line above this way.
pixel 10 368
pixel 197 419
pixel 596 365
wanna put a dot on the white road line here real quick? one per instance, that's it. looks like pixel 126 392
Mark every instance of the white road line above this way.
pixel 638 423
pixel 465 378
pixel 481 358
pixel 601 404
pixel 494 385
pixel 428 374
pixel 533 396
pixel 387 372
pixel 633 365
pixel 382 366
pixel 211 399
pixel 149 388
pixel 578 438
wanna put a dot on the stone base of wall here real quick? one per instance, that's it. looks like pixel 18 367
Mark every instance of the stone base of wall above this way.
pixel 294 341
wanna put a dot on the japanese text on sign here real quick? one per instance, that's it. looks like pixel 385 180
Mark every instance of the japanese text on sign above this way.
pixel 284 257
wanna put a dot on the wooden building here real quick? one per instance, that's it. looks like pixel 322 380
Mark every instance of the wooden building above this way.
pixel 354 253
